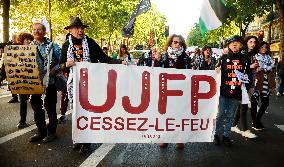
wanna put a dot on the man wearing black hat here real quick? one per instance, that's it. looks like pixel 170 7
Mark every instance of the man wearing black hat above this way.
pixel 80 48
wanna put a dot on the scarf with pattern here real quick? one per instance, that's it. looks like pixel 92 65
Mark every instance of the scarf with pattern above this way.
pixel 70 55
pixel 174 54
pixel 46 57
pixel 265 62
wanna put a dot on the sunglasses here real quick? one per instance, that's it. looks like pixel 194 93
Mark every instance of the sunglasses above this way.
pixel 176 42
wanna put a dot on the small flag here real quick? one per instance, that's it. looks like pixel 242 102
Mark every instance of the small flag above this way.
pixel 213 14
pixel 143 6
pixel 45 23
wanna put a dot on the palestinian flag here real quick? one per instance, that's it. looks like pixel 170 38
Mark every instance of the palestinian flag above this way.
pixel 213 14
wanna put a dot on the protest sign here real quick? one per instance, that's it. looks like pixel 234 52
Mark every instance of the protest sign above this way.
pixel 131 104
pixel 22 69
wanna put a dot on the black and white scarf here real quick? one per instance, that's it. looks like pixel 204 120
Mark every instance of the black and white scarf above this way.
pixel 46 58
pixel 70 55
pixel 174 54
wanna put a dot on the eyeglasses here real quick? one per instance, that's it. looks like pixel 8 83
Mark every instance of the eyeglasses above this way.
pixel 176 42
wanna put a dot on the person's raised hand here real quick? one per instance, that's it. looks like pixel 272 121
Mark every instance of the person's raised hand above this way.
pixel 70 62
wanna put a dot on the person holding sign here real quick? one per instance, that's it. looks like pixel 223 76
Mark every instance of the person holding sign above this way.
pixel 80 48
pixel 48 62
pixel 125 56
pixel 14 98
pixel 24 39
pixel 208 62
pixel 174 57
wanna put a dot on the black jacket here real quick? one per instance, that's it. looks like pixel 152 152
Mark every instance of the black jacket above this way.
pixel 205 66
pixel 183 62
pixel 96 53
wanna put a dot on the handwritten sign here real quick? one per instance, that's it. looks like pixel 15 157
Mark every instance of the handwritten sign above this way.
pixel 22 69
pixel 130 104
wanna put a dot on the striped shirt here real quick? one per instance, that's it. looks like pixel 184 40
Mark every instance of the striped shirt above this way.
pixel 265 86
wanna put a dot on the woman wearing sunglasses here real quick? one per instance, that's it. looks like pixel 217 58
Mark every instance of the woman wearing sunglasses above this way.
pixel 174 57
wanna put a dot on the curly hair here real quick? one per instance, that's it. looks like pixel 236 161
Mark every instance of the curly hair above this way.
pixel 170 40
pixel 22 36
pixel 267 47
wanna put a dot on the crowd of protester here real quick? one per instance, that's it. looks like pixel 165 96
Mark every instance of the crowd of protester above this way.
pixel 251 85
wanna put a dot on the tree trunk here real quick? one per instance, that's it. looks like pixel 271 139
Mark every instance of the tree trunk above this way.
pixel 49 19
pixel 269 33
pixel 280 7
pixel 243 29
pixel 6 8
pixel 109 45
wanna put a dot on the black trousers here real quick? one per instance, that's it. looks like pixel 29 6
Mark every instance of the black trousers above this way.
pixel 241 114
pixel 50 106
pixel 256 116
pixel 15 96
pixel 39 113
pixel 23 107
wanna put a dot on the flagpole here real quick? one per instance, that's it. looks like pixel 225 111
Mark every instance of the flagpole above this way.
pixel 156 39
pixel 49 20
pixel 154 27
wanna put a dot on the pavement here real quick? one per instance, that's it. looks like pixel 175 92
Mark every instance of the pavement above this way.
pixel 4 90
pixel 264 151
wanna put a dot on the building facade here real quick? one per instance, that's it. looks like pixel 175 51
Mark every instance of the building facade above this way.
pixel 263 25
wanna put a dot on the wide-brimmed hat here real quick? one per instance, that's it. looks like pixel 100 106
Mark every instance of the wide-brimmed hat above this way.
pixel 75 21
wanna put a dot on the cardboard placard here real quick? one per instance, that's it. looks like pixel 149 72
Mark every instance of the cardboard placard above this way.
pixel 22 69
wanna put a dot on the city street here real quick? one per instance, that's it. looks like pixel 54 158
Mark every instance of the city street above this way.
pixel 264 151
pixel 188 59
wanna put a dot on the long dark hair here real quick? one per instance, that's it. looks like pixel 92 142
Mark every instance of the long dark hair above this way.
pixel 126 51
pixel 255 49
pixel 205 48
pixel 170 40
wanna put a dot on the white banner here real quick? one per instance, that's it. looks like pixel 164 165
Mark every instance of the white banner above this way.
pixel 131 104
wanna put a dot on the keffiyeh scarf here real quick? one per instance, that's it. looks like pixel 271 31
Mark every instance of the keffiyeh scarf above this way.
pixel 70 55
pixel 46 55
pixel 265 62
pixel 174 54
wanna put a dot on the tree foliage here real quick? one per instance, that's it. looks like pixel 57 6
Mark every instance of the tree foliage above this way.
pixel 213 38
pixel 241 14
pixel 194 37
pixel 104 18
pixel 152 21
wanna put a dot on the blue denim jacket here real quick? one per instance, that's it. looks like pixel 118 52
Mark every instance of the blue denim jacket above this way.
pixel 42 59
